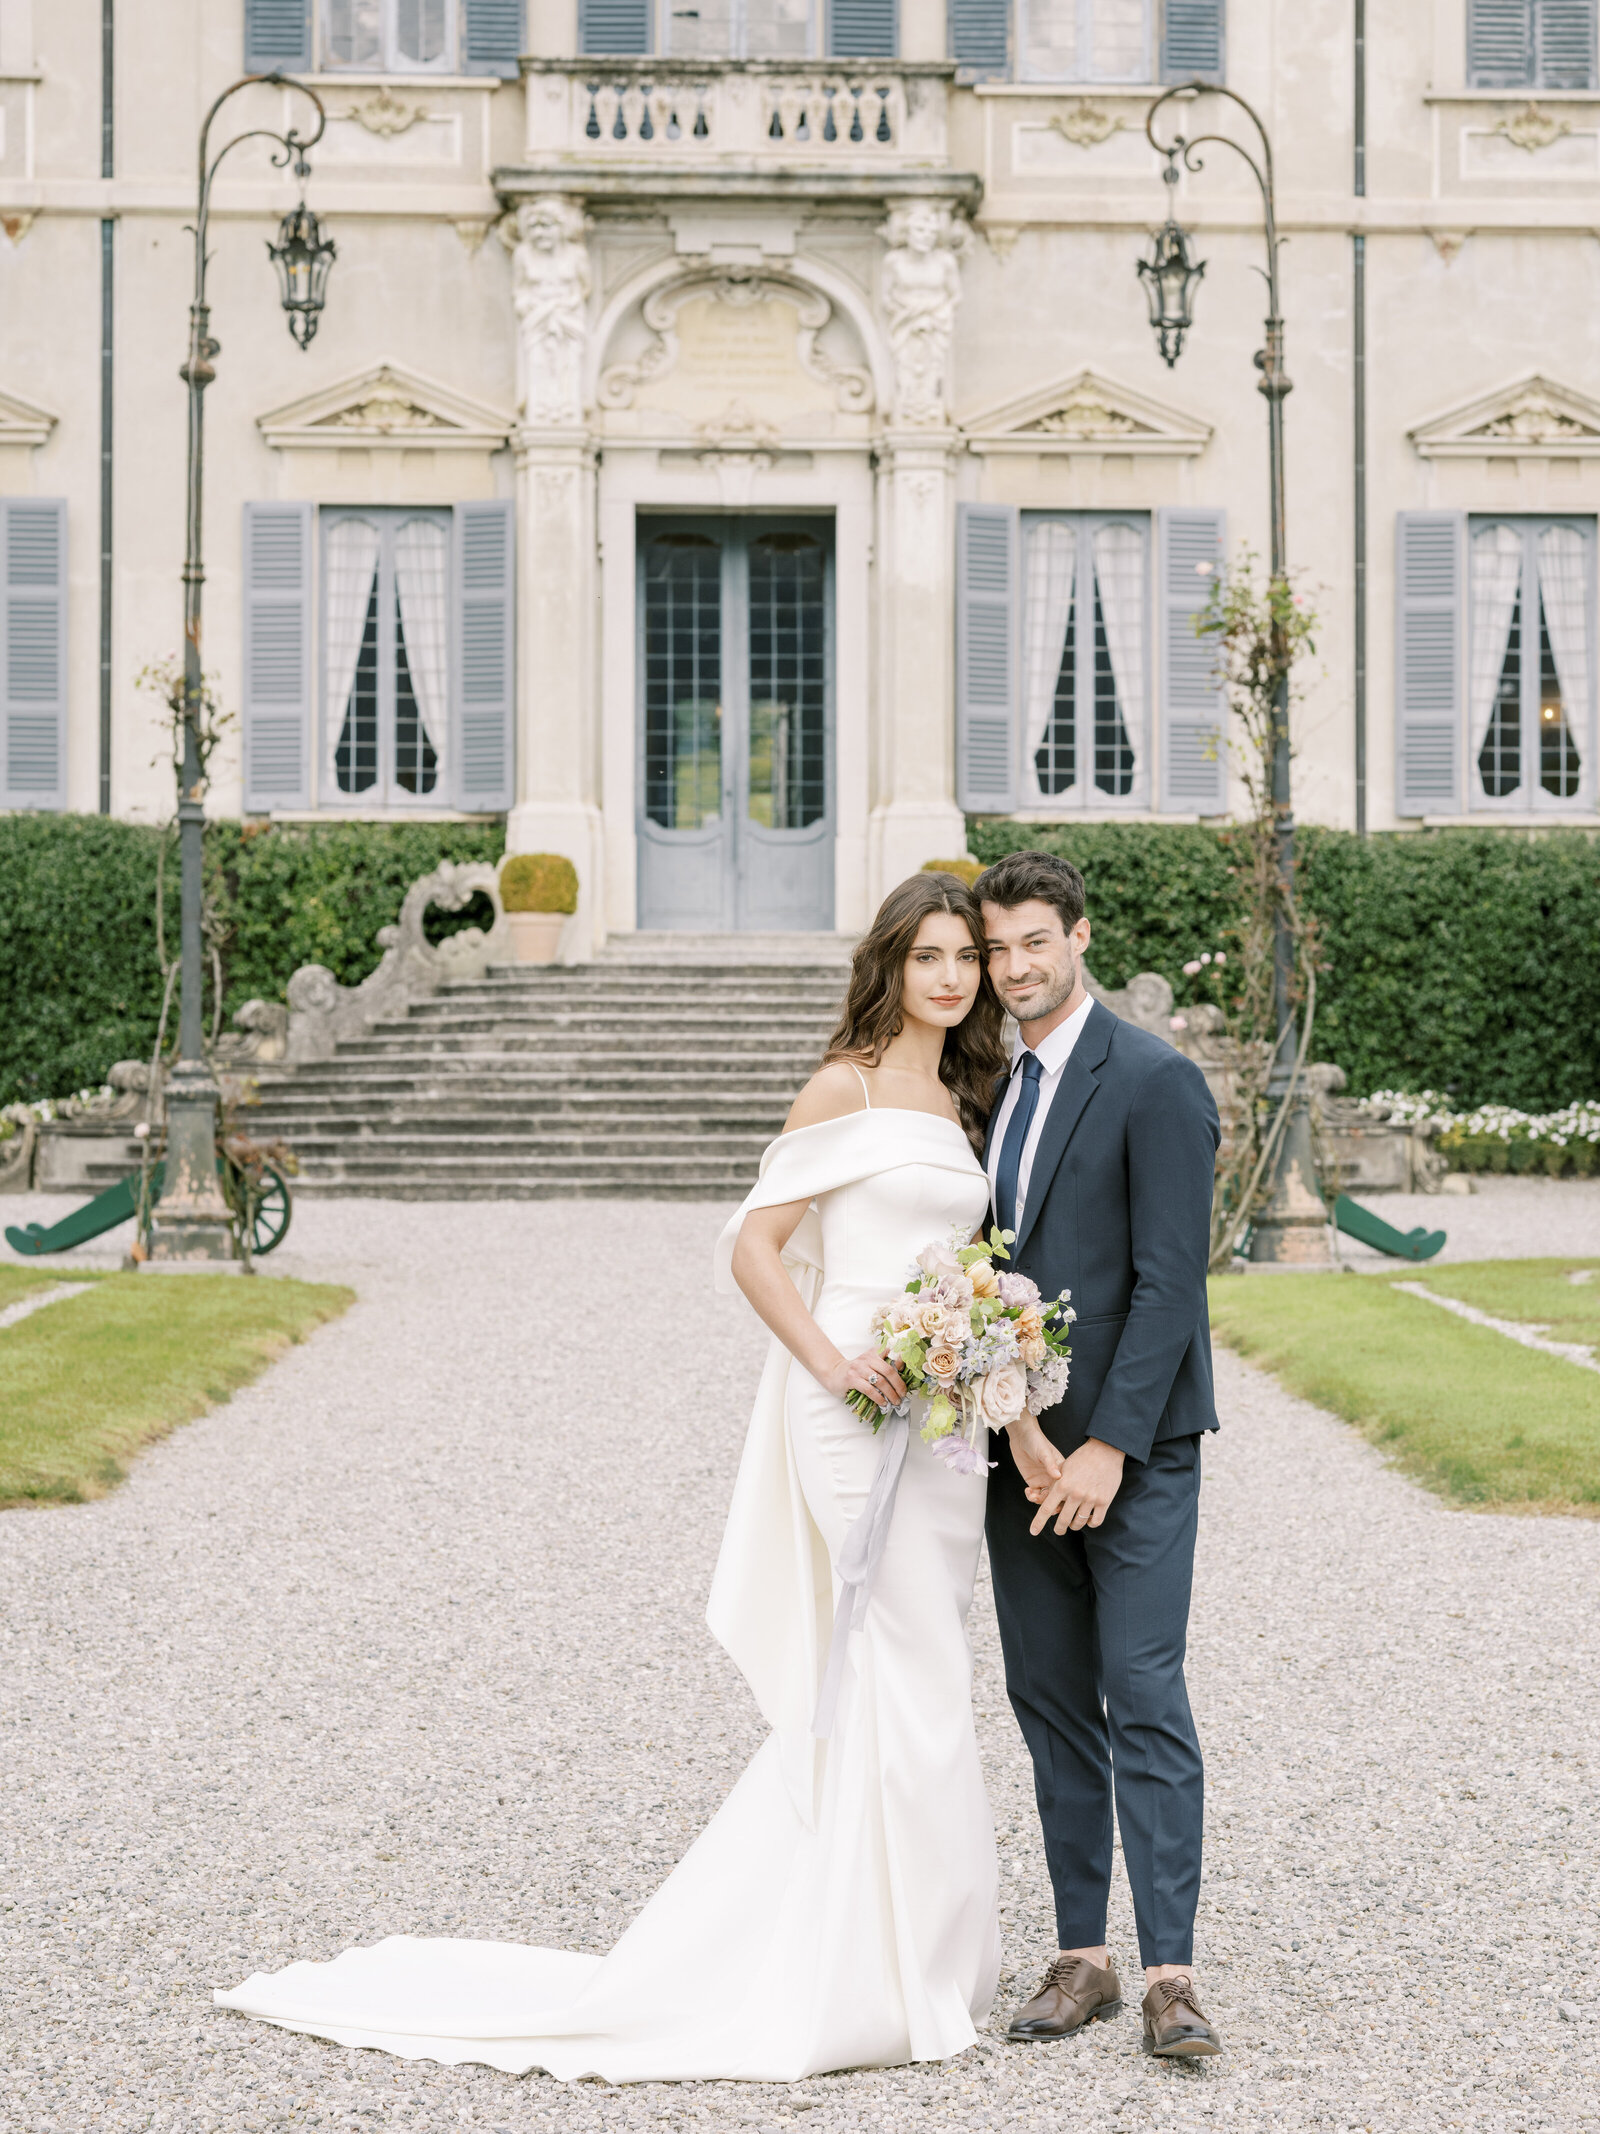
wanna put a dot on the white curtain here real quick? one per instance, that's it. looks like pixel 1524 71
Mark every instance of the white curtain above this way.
pixel 419 32
pixel 1119 573
pixel 1051 560
pixel 1051 40
pixel 421 579
pixel 353 31
pixel 1496 575
pixel 352 563
pixel 1564 588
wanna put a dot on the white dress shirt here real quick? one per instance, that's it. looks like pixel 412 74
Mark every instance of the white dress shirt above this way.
pixel 1053 1053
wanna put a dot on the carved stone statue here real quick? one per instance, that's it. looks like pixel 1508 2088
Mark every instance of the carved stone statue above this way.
pixel 550 284
pixel 921 289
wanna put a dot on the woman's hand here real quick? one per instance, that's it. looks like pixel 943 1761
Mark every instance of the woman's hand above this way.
pixel 871 1373
pixel 1038 1461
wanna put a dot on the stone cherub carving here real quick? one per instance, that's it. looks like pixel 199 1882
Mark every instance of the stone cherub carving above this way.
pixel 921 289
pixel 550 285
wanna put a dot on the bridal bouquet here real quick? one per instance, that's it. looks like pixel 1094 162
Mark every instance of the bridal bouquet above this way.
pixel 979 1344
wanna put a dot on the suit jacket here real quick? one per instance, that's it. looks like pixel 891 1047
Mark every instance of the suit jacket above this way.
pixel 1119 1211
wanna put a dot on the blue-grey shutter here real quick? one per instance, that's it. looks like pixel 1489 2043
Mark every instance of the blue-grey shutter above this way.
pixel 1192 549
pixel 277 33
pixel 485 638
pixel 863 29
pixel 988 600
pixel 33 646
pixel 615 26
pixel 980 41
pixel 1499 44
pixel 277 656
pixel 1430 630
pixel 491 41
pixel 1191 40
pixel 1565 38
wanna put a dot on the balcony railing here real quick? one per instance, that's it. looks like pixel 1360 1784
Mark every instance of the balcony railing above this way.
pixel 870 115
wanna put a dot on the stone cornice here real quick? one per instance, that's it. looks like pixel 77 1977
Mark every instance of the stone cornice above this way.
pixel 652 183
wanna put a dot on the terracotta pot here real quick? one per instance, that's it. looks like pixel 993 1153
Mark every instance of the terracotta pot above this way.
pixel 535 935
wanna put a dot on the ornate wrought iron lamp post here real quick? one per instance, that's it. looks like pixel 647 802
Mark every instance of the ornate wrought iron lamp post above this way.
pixel 1292 1225
pixel 192 1220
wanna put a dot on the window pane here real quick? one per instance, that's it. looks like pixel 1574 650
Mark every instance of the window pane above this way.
pixel 1113 751
pixel 1117 41
pixel 1055 761
pixel 700 29
pixel 1052 40
pixel 1119 634
pixel 777 29
pixel 1500 757
pixel 788 706
pixel 683 681
pixel 419 32
pixel 355 760
pixel 421 558
pixel 354 33
pixel 1559 763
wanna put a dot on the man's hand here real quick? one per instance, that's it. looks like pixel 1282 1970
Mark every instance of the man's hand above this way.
pixel 1081 1493
pixel 1038 1461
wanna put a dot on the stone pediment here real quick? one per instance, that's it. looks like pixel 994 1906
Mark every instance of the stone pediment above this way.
pixel 21 423
pixel 1086 413
pixel 1533 416
pixel 387 406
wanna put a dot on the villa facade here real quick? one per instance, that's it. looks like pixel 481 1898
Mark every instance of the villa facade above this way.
pixel 735 446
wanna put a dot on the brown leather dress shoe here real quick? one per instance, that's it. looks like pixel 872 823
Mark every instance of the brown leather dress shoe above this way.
pixel 1074 1992
pixel 1174 2028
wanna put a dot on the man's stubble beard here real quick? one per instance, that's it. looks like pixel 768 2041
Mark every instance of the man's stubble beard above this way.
pixel 1057 994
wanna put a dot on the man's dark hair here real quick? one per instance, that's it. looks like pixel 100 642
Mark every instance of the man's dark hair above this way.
pixel 1022 876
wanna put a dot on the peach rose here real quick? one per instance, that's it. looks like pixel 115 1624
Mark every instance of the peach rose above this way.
pixel 983 1279
pixel 942 1363
pixel 1033 1353
pixel 1030 1324
pixel 1001 1394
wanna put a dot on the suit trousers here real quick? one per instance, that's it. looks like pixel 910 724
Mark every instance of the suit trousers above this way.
pixel 1093 1627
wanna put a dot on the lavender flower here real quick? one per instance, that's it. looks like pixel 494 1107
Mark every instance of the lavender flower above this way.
pixel 961 1456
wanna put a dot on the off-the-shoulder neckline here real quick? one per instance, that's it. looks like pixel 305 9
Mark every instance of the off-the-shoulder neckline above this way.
pixel 894 1111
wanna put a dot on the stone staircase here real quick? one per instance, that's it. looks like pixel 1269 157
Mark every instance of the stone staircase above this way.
pixel 658 1072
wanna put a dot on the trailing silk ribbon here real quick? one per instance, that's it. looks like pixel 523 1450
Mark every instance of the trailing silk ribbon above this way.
pixel 859 1553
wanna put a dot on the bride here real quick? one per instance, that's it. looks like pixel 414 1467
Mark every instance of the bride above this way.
pixel 840 1910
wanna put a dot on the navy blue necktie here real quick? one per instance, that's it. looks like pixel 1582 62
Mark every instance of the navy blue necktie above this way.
pixel 1016 1140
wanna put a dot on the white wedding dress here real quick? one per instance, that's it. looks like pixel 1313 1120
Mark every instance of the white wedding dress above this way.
pixel 841 1908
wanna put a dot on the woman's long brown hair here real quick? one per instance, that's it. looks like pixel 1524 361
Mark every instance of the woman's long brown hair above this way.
pixel 873 1015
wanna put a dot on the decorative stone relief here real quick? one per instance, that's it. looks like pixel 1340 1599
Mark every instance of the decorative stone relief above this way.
pixel 1086 413
pixel 473 234
pixel 1529 416
pixel 772 357
pixel 921 289
pixel 1448 243
pixel 389 407
pixel 17 223
pixel 385 114
pixel 321 1010
pixel 1532 129
pixel 550 294
pixel 1085 125
pixel 385 412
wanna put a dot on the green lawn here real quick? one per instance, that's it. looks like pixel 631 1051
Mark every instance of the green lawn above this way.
pixel 86 1382
pixel 19 1282
pixel 1478 1418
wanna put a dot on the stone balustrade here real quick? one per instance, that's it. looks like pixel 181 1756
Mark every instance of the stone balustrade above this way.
pixel 702 114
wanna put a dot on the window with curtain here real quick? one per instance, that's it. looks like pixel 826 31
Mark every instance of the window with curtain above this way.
pixel 385 644
pixel 1085 630
pixel 389 36
pixel 740 29
pixel 1531 44
pixel 1530 668
pixel 1086 40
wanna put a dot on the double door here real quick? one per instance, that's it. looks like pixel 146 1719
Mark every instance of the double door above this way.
pixel 735 764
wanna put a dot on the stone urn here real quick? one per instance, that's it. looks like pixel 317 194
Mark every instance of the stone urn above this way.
pixel 535 935
pixel 538 890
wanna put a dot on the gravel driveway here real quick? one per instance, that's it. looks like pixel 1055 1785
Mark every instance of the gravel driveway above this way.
pixel 409 1638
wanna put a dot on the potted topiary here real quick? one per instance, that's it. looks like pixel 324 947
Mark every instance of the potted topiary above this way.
pixel 538 890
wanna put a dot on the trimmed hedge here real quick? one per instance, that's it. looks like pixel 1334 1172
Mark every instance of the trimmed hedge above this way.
pixel 1464 961
pixel 79 977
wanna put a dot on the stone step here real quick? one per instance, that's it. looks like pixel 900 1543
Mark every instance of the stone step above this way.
pixel 683 1018
pixel 733 1172
pixel 598 1109
pixel 508 1186
pixel 776 951
pixel 444 1042
pixel 617 980
pixel 474 1145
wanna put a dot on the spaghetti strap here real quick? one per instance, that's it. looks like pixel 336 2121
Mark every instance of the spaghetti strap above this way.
pixel 861 1078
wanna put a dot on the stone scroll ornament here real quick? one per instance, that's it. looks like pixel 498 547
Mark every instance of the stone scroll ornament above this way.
pixel 321 1010
pixel 921 289
pixel 550 294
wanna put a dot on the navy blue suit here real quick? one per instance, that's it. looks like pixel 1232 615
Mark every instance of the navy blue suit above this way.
pixel 1093 1624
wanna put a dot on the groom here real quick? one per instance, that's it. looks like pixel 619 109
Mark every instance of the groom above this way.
pixel 1101 1154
